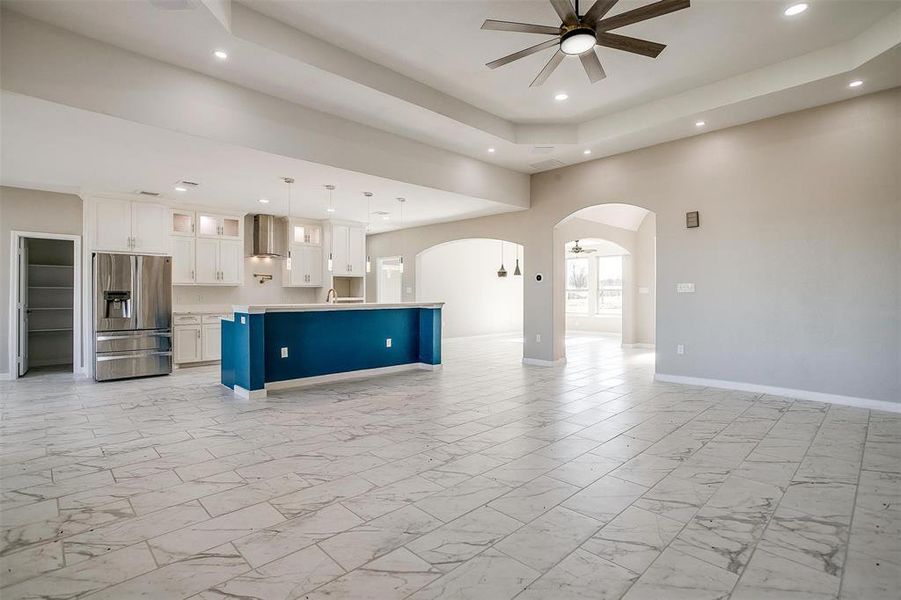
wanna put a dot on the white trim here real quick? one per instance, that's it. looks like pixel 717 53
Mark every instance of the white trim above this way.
pixel 13 350
pixel 6 377
pixel 348 375
pixel 543 363
pixel 647 346
pixel 249 394
pixel 787 392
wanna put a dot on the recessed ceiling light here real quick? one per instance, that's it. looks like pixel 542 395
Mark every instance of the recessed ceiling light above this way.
pixel 179 188
pixel 491 150
pixel 795 9
pixel 330 209
pixel 264 200
pixel 586 151
pixel 385 217
pixel 855 83
pixel 221 54
pixel 700 123
pixel 561 96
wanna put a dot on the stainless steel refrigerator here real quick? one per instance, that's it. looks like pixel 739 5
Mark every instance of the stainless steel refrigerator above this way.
pixel 132 316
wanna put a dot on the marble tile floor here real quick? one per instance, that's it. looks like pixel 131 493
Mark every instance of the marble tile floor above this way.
pixel 488 480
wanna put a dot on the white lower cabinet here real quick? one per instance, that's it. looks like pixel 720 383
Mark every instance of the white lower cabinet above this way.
pixel 211 341
pixel 187 343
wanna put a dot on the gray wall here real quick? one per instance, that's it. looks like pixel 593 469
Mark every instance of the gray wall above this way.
pixel 29 210
pixel 795 263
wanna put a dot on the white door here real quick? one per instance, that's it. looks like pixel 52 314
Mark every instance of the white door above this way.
pixel 149 227
pixel 313 265
pixel 187 344
pixel 182 260
pixel 212 342
pixel 356 251
pixel 390 280
pixel 231 262
pixel 339 250
pixel 112 225
pixel 206 259
pixel 22 307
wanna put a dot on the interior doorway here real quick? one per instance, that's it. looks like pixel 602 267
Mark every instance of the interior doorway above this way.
pixel 44 304
pixel 596 271
pixel 389 286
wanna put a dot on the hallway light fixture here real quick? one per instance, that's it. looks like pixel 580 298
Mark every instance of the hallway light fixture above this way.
pixel 368 224
pixel 517 271
pixel 561 96
pixel 502 272
pixel 855 83
pixel 795 9
pixel 221 54
pixel 289 181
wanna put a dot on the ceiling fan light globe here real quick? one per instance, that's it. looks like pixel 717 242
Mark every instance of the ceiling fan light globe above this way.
pixel 577 41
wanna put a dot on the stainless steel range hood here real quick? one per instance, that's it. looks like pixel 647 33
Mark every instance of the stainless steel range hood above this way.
pixel 269 236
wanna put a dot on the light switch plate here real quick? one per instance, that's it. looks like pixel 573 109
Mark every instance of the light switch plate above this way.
pixel 685 288
pixel 680 349
pixel 285 352
pixel 387 342
pixel 243 320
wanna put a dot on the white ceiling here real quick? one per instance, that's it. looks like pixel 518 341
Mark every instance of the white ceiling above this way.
pixel 624 216
pixel 50 146
pixel 441 44
pixel 416 68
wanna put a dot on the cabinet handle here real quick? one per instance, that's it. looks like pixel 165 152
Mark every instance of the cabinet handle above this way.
pixel 192 274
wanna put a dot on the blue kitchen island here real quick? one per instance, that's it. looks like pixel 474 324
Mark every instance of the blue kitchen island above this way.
pixel 279 346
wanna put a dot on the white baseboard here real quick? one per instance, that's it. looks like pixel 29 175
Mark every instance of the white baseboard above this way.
pixel 6 376
pixel 779 391
pixel 543 363
pixel 349 375
pixel 647 346
pixel 249 394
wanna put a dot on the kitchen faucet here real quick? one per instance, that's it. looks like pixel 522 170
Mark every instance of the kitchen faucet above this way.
pixel 328 296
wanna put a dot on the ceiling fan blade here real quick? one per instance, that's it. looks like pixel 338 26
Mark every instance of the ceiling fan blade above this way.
pixel 592 65
pixel 630 44
pixel 522 53
pixel 598 10
pixel 552 64
pixel 519 27
pixel 565 11
pixel 642 13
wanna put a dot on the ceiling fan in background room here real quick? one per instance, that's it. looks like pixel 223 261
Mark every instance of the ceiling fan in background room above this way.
pixel 577 249
pixel 577 35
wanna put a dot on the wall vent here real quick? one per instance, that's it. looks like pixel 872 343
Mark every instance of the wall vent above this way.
pixel 547 165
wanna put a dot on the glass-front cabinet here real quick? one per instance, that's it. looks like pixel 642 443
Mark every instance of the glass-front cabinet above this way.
pixel 220 226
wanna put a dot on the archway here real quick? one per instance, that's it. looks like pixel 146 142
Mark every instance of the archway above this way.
pixel 605 288
pixel 479 301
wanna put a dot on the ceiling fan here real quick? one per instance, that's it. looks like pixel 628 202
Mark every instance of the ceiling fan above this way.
pixel 577 249
pixel 577 35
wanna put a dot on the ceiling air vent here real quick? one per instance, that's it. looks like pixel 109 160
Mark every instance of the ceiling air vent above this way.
pixel 174 4
pixel 542 149
pixel 146 193
pixel 547 165
pixel 190 183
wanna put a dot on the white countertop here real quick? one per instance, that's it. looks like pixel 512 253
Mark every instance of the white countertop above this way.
pixel 264 308
pixel 201 309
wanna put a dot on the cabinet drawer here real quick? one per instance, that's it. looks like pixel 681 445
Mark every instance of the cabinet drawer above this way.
pixel 215 318
pixel 186 319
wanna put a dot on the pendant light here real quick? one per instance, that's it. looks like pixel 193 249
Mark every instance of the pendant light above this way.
pixel 502 272
pixel 330 265
pixel 517 271
pixel 289 181
pixel 402 201
pixel 368 224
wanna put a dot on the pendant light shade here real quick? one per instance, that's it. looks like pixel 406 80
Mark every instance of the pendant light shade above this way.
pixel 402 236
pixel 289 181
pixel 517 271
pixel 502 272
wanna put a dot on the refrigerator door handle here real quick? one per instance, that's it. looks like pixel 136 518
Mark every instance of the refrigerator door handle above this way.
pixel 131 336
pixel 133 355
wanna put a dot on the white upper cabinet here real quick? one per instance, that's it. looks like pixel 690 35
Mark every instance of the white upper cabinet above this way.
pixel 220 227
pixel 219 262
pixel 231 262
pixel 207 261
pixel 126 226
pixel 306 267
pixel 148 227
pixel 112 225
pixel 182 260
pixel 182 223
pixel 348 248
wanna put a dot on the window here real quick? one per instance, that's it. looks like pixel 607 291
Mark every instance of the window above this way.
pixel 577 285
pixel 610 285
